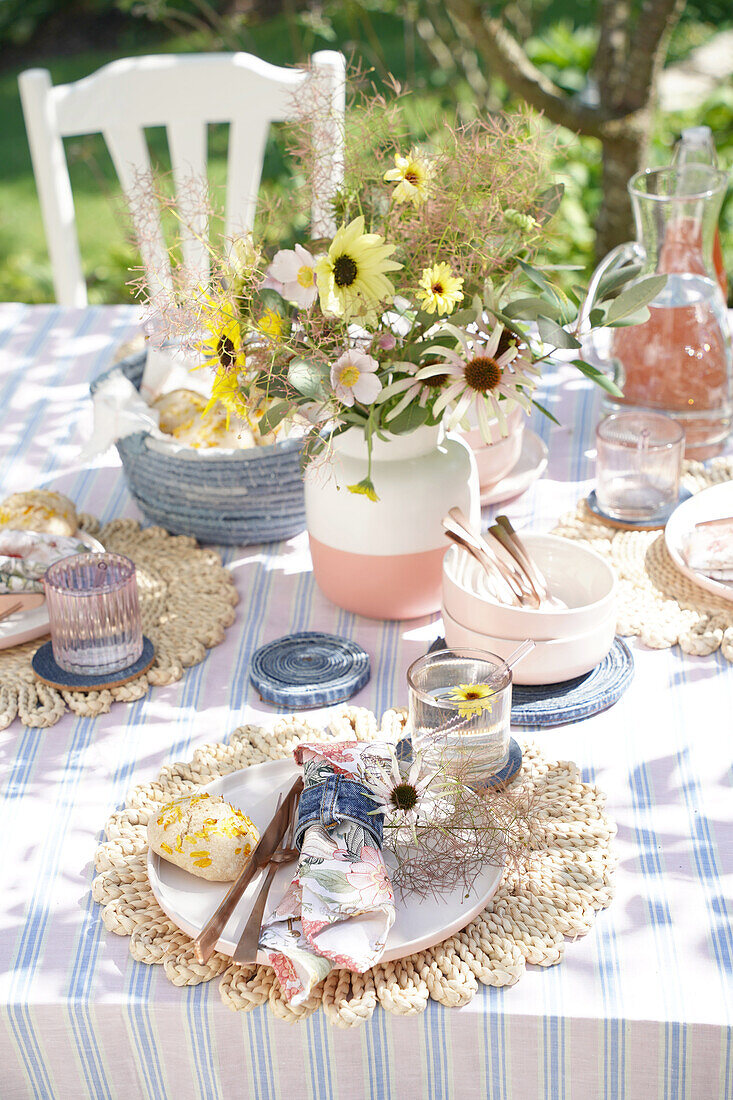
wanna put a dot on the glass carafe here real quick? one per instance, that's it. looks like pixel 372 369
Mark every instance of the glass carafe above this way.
pixel 680 359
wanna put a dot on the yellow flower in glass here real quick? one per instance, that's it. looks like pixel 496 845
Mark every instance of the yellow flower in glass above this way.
pixel 471 698
pixel 440 290
pixel 412 176
pixel 352 276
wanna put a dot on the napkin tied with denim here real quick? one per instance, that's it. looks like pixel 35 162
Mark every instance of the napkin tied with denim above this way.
pixel 339 907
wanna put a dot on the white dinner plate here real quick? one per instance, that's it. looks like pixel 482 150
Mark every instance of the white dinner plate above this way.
pixel 189 901
pixel 31 623
pixel 713 503
pixel 530 466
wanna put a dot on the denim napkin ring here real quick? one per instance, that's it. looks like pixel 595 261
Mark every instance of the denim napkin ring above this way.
pixel 337 800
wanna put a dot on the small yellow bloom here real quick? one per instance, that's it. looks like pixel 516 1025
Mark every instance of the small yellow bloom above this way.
pixel 440 290
pixel 412 176
pixel 364 488
pixel 271 323
pixel 471 698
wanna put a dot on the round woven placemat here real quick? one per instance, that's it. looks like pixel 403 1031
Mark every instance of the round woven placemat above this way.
pixel 187 598
pixel 656 602
pixel 566 879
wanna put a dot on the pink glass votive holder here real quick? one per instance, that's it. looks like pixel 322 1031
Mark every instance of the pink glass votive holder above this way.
pixel 638 465
pixel 94 613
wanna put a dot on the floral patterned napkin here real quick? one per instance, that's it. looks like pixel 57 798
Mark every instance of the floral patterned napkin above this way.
pixel 26 555
pixel 339 907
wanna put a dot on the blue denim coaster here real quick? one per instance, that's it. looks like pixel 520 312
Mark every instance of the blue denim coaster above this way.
pixel 309 669
pixel 633 524
pixel 50 673
pixel 334 802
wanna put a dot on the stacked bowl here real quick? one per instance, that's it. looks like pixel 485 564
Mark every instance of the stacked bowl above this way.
pixel 569 640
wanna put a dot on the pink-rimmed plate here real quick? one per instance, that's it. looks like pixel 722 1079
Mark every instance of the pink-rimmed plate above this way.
pixel 531 465
pixel 31 621
pixel 713 503
pixel 189 901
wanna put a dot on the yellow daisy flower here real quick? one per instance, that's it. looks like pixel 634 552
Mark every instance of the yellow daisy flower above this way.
pixel 226 389
pixel 352 276
pixel 412 176
pixel 364 488
pixel 440 290
pixel 271 323
pixel 221 346
pixel 471 698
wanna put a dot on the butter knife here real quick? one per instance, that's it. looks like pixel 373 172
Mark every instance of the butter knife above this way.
pixel 269 842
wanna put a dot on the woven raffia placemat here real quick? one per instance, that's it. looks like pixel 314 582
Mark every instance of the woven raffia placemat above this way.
pixel 657 602
pixel 566 880
pixel 187 599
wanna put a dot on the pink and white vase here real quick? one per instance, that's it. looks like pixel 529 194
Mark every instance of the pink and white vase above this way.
pixel 499 457
pixel 385 559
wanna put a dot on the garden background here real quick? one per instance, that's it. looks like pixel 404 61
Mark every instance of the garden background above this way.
pixel 409 38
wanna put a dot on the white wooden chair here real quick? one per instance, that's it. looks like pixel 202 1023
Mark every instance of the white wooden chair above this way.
pixel 184 94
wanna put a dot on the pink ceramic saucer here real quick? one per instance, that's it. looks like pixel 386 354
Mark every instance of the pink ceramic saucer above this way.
pixel 531 465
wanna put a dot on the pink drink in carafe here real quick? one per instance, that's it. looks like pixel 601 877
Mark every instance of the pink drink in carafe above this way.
pixel 679 360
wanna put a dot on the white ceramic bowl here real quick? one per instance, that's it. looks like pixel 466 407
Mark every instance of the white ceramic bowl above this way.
pixel 576 575
pixel 550 662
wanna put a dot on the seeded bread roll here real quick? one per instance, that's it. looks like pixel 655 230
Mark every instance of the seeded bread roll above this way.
pixel 205 835
pixel 39 510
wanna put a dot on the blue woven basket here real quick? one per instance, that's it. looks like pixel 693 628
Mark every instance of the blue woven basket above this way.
pixel 255 495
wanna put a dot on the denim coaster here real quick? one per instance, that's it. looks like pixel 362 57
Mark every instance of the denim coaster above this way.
pixel 308 670
pixel 48 672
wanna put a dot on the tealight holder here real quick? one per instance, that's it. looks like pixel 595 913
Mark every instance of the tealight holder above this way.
pixel 94 614
pixel 460 704
pixel 638 466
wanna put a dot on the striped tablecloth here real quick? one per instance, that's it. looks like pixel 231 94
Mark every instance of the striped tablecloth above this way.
pixel 642 1007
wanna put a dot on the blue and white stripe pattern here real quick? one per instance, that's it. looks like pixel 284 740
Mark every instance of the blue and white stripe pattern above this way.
pixel 640 1008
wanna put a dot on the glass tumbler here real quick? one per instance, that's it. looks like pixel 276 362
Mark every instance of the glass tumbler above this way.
pixel 638 463
pixel 94 613
pixel 459 711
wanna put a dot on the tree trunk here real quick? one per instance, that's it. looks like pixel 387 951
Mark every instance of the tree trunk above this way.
pixel 624 147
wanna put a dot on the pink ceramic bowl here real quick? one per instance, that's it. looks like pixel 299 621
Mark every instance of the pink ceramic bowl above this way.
pixel 497 459
pixel 576 575
pixel 550 662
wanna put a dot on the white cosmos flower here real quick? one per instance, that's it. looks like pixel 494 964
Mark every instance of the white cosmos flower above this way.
pixel 294 269
pixel 353 378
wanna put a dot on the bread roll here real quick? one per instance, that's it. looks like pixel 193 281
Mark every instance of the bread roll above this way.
pixel 181 415
pixel 39 510
pixel 205 835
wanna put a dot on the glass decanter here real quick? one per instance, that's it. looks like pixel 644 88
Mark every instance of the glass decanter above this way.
pixel 680 359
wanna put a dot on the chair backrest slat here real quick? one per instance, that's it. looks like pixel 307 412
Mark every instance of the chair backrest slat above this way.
pixel 184 94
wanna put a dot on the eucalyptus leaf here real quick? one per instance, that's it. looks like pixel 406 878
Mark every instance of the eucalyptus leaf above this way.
pixel 545 412
pixel 564 308
pixel 552 333
pixel 634 297
pixel 414 416
pixel 273 416
pixel 598 377
pixel 529 309
pixel 306 378
pixel 597 316
pixel 612 280
pixel 534 275
pixel 637 318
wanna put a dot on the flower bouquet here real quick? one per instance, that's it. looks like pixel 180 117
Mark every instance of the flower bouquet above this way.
pixel 422 310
